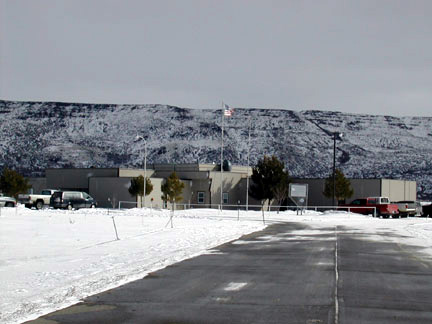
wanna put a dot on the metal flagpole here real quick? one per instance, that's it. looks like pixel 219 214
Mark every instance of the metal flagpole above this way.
pixel 247 177
pixel 222 146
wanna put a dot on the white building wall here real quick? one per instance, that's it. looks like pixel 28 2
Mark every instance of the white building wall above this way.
pixel 398 190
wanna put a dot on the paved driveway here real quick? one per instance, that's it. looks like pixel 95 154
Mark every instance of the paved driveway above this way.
pixel 288 273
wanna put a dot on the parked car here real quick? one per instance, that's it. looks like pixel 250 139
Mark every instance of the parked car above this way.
pixel 382 206
pixel 38 201
pixel 6 201
pixel 406 208
pixel 72 200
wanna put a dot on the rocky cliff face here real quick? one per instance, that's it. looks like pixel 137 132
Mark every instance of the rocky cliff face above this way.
pixel 40 135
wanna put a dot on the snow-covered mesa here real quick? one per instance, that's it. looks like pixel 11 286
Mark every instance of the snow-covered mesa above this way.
pixel 41 135
pixel 51 259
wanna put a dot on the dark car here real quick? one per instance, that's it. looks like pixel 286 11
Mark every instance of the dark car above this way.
pixel 427 210
pixel 72 200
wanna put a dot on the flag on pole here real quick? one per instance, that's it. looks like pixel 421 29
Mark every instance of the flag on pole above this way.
pixel 228 111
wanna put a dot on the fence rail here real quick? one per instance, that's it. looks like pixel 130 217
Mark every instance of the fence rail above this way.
pixel 274 208
pixel 269 208
pixel 123 202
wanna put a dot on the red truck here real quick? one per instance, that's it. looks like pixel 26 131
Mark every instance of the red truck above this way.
pixel 382 205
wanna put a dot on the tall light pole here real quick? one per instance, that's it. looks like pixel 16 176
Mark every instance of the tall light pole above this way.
pixel 145 171
pixel 137 138
pixel 336 136
pixel 247 171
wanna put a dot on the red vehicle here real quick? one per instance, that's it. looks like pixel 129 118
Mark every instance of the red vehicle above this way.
pixel 382 205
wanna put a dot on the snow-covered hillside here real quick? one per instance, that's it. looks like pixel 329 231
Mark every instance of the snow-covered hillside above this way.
pixel 40 135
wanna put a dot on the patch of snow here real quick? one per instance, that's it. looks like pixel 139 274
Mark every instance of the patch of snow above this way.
pixel 235 286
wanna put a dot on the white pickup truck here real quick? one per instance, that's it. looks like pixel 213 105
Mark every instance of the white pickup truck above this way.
pixel 406 208
pixel 37 201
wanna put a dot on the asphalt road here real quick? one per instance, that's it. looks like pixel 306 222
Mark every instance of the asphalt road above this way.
pixel 309 276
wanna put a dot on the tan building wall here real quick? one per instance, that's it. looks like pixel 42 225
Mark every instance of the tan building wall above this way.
pixel 109 192
pixel 398 190
pixel 232 184
pixel 154 199
pixel 186 195
pixel 201 186
pixel 206 178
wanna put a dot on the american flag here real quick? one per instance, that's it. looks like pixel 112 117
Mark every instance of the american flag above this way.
pixel 228 111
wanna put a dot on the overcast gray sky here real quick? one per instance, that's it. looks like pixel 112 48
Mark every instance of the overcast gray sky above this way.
pixel 352 56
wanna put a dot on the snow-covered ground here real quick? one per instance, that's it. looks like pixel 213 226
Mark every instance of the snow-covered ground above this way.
pixel 51 259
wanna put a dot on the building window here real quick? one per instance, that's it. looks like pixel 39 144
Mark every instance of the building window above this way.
pixel 201 197
pixel 225 197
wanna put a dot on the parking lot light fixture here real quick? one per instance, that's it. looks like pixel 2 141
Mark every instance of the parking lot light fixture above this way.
pixel 336 136
pixel 138 138
pixel 145 171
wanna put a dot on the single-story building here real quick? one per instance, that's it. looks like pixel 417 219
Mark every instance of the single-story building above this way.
pixel 109 186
